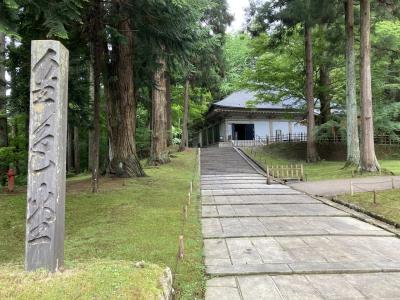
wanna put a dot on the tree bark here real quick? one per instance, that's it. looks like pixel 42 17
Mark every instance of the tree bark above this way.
pixel 3 117
pixel 324 95
pixel 369 162
pixel 159 132
pixel 353 141
pixel 91 105
pixel 312 155
pixel 185 134
pixel 121 104
pixel 70 160
pixel 169 109
pixel 77 159
pixel 97 55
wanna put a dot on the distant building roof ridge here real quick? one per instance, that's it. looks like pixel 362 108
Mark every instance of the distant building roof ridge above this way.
pixel 239 99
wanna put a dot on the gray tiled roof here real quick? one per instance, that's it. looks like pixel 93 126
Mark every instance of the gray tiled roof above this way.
pixel 240 99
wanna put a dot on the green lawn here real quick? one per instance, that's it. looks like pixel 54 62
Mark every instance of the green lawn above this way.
pixel 129 220
pixel 286 154
pixel 387 203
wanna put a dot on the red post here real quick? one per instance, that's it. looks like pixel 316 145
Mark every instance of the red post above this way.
pixel 11 175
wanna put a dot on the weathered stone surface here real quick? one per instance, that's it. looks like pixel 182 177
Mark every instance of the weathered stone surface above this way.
pixel 258 287
pixel 307 254
pixel 271 242
pixel 46 169
pixel 258 199
pixel 271 210
pixel 222 293
pixel 324 286
pixel 165 282
pixel 279 190
pixel 283 226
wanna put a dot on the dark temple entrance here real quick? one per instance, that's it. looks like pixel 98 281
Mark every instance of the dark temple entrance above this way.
pixel 243 131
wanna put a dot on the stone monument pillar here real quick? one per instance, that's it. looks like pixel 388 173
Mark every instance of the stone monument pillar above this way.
pixel 44 246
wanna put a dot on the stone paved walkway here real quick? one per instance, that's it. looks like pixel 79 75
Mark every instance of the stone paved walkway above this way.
pixel 272 242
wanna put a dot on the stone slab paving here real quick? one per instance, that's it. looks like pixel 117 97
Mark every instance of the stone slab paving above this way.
pixel 258 199
pixel 272 242
pixel 312 286
pixel 270 210
pixel 283 226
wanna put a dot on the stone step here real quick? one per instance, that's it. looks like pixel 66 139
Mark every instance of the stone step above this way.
pixel 282 226
pixel 375 285
pixel 238 192
pixel 270 210
pixel 301 255
pixel 257 199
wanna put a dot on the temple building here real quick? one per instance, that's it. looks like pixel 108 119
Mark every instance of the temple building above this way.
pixel 240 118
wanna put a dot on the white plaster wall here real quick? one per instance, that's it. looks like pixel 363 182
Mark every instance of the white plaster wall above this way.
pixel 298 128
pixel 262 127
pixel 282 125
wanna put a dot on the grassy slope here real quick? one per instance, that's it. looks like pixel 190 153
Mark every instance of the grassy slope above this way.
pixel 133 220
pixel 387 203
pixel 285 154
pixel 92 280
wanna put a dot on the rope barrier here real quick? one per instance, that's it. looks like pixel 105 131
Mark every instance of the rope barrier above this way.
pixel 185 213
pixel 374 191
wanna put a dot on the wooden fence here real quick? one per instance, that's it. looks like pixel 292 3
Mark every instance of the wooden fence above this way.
pixel 285 172
pixel 302 137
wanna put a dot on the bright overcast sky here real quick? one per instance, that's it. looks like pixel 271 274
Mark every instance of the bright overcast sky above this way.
pixel 236 8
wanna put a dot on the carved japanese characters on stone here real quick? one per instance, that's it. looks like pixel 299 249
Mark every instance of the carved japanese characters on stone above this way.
pixel 46 174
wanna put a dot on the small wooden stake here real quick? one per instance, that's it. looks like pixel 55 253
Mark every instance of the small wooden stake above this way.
pixel 191 186
pixel 185 212
pixel 181 252
pixel 351 188
pixel 374 196
pixel 189 198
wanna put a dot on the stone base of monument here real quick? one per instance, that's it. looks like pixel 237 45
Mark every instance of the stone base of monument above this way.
pixel 98 279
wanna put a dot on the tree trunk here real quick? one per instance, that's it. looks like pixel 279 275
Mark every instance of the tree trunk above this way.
pixel 324 95
pixel 97 55
pixel 369 162
pixel 159 133
pixel 91 102
pixel 185 134
pixel 3 117
pixel 77 159
pixel 70 160
pixel 121 105
pixel 353 142
pixel 169 109
pixel 312 155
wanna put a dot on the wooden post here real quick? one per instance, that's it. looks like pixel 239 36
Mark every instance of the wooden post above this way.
pixel 191 186
pixel 45 214
pixel 351 188
pixel 268 176
pixel 302 172
pixel 374 196
pixel 185 212
pixel 189 198
pixel 181 252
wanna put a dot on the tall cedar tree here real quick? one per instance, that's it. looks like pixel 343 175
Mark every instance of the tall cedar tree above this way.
pixel 369 162
pixel 159 129
pixel 353 148
pixel 120 95
pixel 185 131
pixel 3 118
